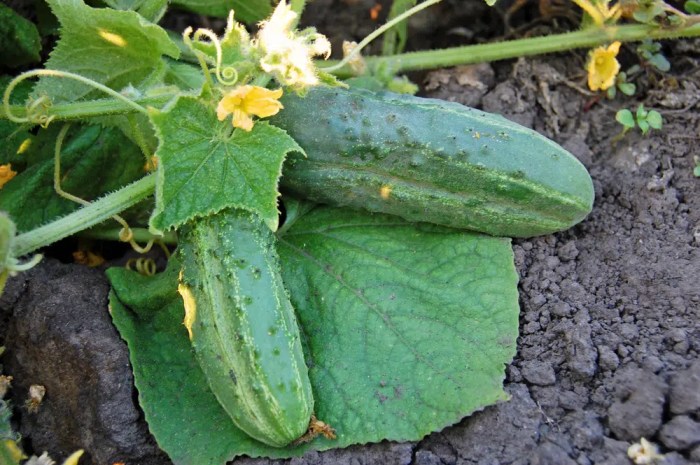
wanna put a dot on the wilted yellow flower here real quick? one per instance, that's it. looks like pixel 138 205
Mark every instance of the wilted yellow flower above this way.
pixel 644 453
pixel 74 458
pixel 356 63
pixel 603 67
pixel 245 101
pixel 287 54
pixel 6 174
pixel 600 11
pixel 86 257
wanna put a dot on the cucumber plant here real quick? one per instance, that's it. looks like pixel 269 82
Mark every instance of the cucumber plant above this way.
pixel 198 155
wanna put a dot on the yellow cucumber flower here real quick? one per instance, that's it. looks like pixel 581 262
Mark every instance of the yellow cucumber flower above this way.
pixel 6 174
pixel 245 101
pixel 603 67
pixel 286 54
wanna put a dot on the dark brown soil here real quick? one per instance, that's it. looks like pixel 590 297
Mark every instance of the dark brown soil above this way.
pixel 610 310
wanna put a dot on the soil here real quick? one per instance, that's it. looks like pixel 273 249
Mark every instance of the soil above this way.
pixel 610 323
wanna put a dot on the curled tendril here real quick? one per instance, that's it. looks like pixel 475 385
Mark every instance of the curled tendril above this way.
pixel 163 247
pixel 14 266
pixel 201 57
pixel 37 111
pixel 228 75
pixel 144 266
pixel 127 235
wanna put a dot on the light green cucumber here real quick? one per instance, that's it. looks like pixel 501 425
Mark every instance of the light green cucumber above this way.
pixel 243 327
pixel 431 160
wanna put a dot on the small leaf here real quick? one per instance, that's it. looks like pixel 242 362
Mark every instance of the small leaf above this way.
pixel 20 43
pixel 641 112
pixel 648 47
pixel 627 88
pixel 625 118
pixel 696 171
pixel 643 125
pixel 654 119
pixel 647 11
pixel 115 48
pixel 203 169
pixel 660 62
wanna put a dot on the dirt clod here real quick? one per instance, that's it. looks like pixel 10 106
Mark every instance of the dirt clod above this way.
pixel 639 411
pixel 62 339
pixel 685 390
pixel 681 433
pixel 539 373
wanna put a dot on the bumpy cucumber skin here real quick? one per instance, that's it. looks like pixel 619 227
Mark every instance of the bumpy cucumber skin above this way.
pixel 244 330
pixel 431 160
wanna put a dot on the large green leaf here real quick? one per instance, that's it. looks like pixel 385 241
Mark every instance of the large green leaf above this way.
pixel 115 48
pixel 407 329
pixel 203 167
pixel 409 326
pixel 248 11
pixel 94 161
pixel 20 43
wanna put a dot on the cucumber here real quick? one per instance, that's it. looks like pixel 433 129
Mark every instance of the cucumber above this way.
pixel 243 327
pixel 431 160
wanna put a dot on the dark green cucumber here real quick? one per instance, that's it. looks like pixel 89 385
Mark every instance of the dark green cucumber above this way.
pixel 243 327
pixel 431 160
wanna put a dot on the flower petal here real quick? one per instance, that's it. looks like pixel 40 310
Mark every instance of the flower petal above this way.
pixel 242 120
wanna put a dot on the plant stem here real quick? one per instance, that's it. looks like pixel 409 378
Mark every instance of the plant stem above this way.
pixel 521 47
pixel 90 215
pixel 92 108
pixel 59 74
pixel 139 235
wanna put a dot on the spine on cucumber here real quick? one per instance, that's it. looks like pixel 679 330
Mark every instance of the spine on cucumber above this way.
pixel 431 160
pixel 243 327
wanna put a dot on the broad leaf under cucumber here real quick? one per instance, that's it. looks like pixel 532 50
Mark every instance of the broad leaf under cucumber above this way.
pixel 242 325
pixel 431 160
